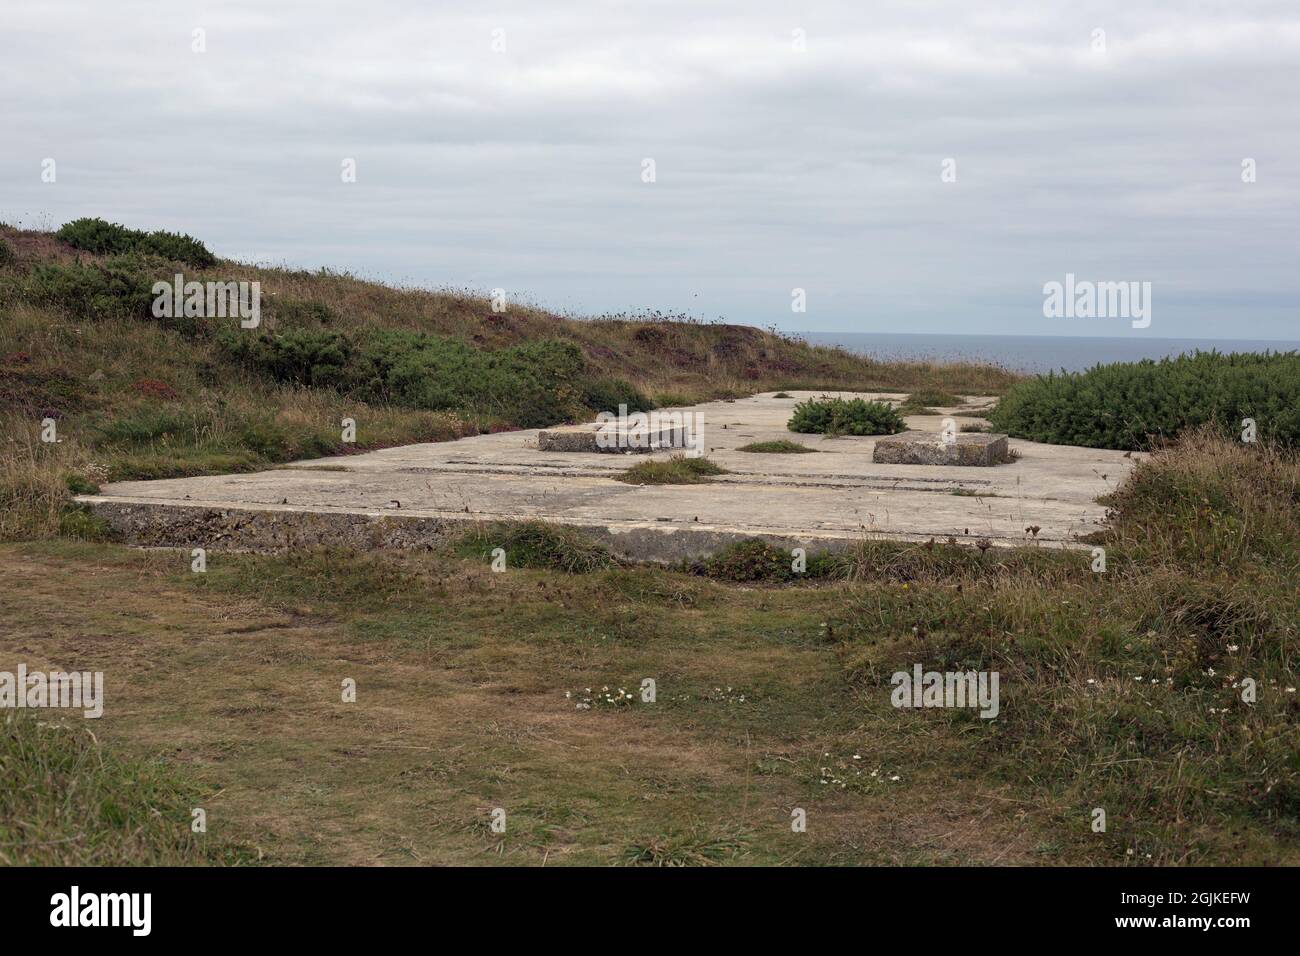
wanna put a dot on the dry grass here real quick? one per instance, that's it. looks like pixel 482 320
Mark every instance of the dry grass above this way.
pixel 462 674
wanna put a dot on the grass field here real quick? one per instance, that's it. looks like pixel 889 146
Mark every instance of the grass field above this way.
pixel 521 691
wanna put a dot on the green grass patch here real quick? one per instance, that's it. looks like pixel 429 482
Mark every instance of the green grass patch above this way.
pixel 678 470
pixel 537 544
pixel 780 447
pixel 756 560
pixel 67 800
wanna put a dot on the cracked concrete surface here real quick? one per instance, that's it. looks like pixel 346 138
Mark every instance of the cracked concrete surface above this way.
pixel 418 493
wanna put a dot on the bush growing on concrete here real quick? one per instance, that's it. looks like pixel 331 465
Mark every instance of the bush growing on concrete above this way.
pixel 1134 405
pixel 839 416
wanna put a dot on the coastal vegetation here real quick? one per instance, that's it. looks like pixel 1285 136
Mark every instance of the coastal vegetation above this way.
pixel 846 416
pixel 1139 405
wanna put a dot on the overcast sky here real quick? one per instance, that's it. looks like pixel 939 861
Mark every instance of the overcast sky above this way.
pixel 775 167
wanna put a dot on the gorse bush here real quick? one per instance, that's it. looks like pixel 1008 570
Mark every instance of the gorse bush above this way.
pixel 606 394
pixel 1133 405
pixel 110 238
pixel 89 291
pixel 838 416
pixel 296 356
pixel 531 385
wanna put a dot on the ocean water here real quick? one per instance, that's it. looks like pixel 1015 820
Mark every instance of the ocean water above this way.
pixel 1033 353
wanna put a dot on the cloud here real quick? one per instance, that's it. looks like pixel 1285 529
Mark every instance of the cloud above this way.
pixel 776 168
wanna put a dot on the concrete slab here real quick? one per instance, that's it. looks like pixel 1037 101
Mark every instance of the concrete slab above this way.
pixel 415 495
pixel 973 449
pixel 613 438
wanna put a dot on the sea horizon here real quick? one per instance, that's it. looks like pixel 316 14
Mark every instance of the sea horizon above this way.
pixel 1034 353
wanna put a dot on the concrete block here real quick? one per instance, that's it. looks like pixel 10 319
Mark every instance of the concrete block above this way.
pixel 927 448
pixel 613 440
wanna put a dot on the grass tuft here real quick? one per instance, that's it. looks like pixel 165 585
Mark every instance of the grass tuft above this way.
pixel 780 447
pixel 677 470
pixel 538 544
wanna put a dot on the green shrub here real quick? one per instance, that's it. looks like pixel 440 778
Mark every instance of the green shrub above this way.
pixel 97 236
pixel 1135 405
pixel 176 248
pixel 110 238
pixel 531 385
pixel 607 394
pixel 7 254
pixel 839 416
pixel 91 291
pixel 298 356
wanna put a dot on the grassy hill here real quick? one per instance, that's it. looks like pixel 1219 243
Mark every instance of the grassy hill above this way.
pixel 135 396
